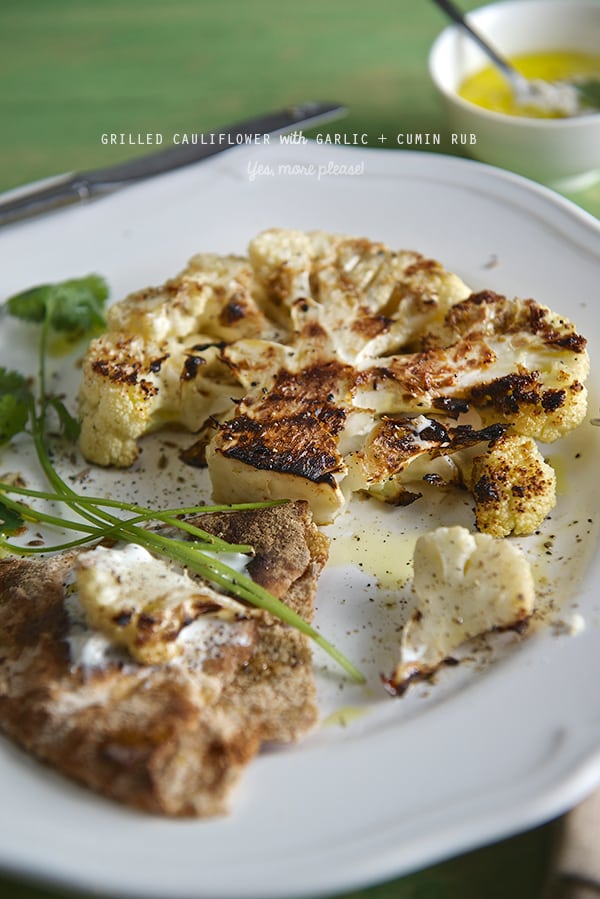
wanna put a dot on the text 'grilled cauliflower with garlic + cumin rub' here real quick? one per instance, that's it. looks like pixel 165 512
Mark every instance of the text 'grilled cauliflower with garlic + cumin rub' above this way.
pixel 323 365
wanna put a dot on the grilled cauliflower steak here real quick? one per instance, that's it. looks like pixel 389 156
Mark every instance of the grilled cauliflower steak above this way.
pixel 290 441
pixel 333 365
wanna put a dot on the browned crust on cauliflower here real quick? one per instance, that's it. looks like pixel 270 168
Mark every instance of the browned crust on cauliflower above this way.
pixel 514 488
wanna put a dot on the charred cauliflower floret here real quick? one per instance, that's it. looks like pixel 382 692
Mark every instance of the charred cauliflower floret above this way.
pixel 117 399
pixel 466 585
pixel 401 454
pixel 514 361
pixel 290 441
pixel 160 361
pixel 131 387
pixel 373 300
pixel 514 488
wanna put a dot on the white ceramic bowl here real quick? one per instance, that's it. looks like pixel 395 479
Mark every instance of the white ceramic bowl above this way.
pixel 564 153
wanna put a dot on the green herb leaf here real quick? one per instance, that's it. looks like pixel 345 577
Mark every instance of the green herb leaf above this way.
pixel 70 427
pixel 10 520
pixel 589 91
pixel 30 305
pixel 16 401
pixel 73 307
pixel 77 305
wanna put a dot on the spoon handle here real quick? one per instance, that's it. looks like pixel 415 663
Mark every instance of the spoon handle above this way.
pixel 456 15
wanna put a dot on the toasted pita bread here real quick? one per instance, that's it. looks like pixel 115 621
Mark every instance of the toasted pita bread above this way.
pixel 171 739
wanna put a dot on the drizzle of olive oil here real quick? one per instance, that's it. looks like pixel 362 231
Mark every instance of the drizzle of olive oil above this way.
pixel 388 557
pixel 345 716
pixel 489 89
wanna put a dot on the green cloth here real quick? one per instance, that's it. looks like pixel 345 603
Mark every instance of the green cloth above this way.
pixel 71 70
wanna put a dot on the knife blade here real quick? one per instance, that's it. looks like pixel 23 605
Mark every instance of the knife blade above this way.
pixel 81 186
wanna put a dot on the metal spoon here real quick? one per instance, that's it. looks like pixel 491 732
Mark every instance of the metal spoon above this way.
pixel 565 98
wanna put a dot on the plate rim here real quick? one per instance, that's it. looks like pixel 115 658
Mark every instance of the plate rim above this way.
pixel 574 785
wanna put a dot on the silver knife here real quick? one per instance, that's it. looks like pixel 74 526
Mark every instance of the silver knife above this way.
pixel 81 186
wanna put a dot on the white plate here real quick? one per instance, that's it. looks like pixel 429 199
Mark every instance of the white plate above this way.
pixel 486 751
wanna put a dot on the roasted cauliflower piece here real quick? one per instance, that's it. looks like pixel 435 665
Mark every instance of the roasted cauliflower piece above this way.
pixel 514 361
pixel 290 441
pixel 399 454
pixel 213 295
pixel 160 362
pixel 514 488
pixel 117 399
pixel 466 585
pixel 144 605
pixel 131 387
pixel 372 300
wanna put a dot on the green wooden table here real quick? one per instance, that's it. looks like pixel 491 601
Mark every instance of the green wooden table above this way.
pixel 71 70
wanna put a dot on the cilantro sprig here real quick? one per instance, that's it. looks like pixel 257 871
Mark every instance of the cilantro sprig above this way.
pixel 74 309
pixel 15 404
